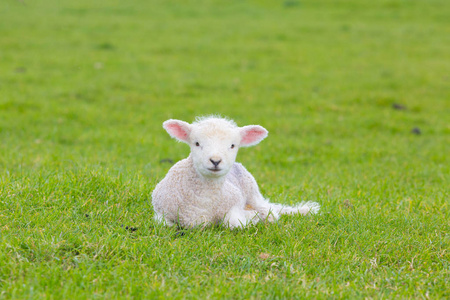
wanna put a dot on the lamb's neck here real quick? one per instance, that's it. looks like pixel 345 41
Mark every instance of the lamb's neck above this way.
pixel 214 183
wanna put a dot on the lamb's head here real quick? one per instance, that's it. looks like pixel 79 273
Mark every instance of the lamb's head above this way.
pixel 214 142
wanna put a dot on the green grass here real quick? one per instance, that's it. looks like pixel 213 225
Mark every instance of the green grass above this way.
pixel 85 87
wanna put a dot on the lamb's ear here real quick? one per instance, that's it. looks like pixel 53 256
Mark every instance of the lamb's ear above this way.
pixel 177 129
pixel 252 135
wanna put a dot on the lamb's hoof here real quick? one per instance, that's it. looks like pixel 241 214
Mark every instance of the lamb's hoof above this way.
pixel 314 207
pixel 271 216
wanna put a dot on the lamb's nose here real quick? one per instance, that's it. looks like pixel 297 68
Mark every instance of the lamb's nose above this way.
pixel 215 162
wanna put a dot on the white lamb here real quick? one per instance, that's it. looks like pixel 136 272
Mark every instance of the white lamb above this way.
pixel 209 187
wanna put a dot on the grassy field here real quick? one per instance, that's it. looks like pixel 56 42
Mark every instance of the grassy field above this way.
pixel 355 95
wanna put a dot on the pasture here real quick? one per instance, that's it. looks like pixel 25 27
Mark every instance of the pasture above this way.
pixel 355 95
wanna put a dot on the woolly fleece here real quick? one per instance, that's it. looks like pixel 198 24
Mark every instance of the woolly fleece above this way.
pixel 209 187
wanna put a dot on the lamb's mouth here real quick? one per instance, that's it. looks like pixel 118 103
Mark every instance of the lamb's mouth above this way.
pixel 214 169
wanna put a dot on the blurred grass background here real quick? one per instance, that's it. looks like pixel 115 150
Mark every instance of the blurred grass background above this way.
pixel 355 95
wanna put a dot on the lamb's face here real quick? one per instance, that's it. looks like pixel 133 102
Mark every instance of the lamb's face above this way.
pixel 214 142
pixel 213 149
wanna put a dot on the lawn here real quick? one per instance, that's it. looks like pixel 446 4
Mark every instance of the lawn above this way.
pixel 355 95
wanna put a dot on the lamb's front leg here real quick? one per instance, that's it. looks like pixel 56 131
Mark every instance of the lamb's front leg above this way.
pixel 237 217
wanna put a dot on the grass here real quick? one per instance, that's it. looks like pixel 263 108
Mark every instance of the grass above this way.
pixel 85 87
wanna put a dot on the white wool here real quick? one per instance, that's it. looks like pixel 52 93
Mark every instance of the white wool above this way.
pixel 209 187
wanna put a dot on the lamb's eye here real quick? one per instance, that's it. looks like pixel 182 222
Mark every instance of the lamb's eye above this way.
pixel 232 146
pixel 197 144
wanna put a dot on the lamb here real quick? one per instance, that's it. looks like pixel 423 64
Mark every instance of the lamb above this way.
pixel 209 187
